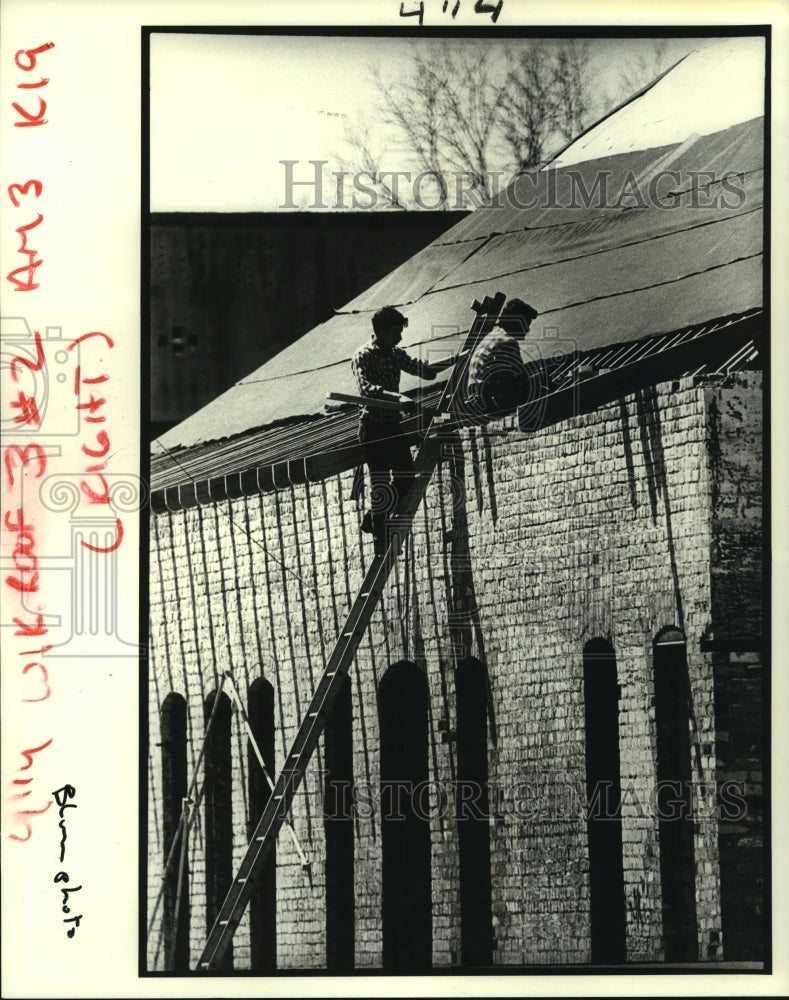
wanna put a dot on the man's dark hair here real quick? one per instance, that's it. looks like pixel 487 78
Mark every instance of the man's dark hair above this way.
pixel 388 317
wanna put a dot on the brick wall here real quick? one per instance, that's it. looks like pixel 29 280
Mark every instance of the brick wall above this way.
pixel 734 428
pixel 527 547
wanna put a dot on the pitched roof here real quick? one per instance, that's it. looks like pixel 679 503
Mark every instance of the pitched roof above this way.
pixel 609 250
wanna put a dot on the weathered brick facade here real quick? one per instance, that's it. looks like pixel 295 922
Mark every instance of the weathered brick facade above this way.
pixel 614 525
pixel 735 442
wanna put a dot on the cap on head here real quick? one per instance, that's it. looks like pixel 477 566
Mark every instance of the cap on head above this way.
pixel 516 317
pixel 387 318
pixel 517 307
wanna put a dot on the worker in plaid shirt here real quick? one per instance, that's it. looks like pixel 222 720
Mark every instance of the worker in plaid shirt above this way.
pixel 498 380
pixel 377 366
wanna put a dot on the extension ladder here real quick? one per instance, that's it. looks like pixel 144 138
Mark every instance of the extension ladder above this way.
pixel 291 775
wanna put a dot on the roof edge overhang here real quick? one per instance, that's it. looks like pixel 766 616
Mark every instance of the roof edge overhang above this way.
pixel 585 382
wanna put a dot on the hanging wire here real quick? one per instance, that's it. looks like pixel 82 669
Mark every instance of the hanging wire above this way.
pixel 184 826
pixel 242 528
pixel 305 863
pixel 181 863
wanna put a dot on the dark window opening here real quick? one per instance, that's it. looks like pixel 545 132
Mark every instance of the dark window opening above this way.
pixel 472 808
pixel 176 879
pixel 178 340
pixel 739 717
pixel 263 903
pixel 604 794
pixel 674 797
pixel 218 811
pixel 338 827
pixel 405 829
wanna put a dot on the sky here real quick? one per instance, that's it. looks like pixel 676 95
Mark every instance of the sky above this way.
pixel 227 109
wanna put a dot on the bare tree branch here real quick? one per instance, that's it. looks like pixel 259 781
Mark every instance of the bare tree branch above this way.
pixel 644 68
pixel 364 159
pixel 462 114
pixel 572 87
pixel 529 106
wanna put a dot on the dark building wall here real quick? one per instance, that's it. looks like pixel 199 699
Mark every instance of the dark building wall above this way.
pixel 735 447
pixel 736 638
pixel 528 548
pixel 228 292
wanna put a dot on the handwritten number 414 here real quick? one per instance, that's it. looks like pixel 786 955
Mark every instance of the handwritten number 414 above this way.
pixel 418 9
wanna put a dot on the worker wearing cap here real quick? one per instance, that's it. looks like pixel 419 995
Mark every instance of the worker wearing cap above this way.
pixel 498 380
pixel 377 366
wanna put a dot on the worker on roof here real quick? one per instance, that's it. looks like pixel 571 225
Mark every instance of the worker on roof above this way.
pixel 377 366
pixel 498 379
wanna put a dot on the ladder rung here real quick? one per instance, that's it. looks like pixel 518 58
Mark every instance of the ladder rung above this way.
pixel 377 573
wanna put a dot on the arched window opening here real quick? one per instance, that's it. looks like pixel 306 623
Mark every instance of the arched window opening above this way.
pixel 218 810
pixel 176 877
pixel 604 795
pixel 405 828
pixel 673 798
pixel 472 813
pixel 263 903
pixel 338 827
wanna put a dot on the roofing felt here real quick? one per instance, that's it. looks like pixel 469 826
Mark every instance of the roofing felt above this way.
pixel 611 250
pixel 556 197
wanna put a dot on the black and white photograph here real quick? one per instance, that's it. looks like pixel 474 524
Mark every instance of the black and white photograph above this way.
pixel 393 490
pixel 458 556
pixel 457 565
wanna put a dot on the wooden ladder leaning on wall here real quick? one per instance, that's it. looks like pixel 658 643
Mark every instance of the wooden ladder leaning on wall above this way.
pixel 312 725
